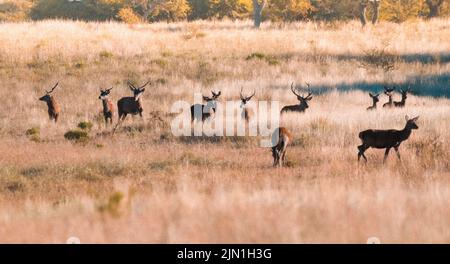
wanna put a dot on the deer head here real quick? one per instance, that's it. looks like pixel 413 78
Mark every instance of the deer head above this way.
pixel 244 99
pixel 104 93
pixel 375 97
pixel 411 123
pixel 405 92
pixel 137 92
pixel 302 99
pixel 47 97
pixel 388 91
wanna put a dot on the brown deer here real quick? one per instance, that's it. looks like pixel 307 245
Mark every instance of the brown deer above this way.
pixel 280 139
pixel 386 139
pixel 108 106
pixel 388 92
pixel 247 113
pixel 375 100
pixel 131 105
pixel 404 96
pixel 302 106
pixel 205 111
pixel 53 107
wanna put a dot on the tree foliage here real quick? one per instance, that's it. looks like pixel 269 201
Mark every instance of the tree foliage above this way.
pixel 289 10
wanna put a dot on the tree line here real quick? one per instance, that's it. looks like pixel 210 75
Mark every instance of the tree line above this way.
pixel 135 11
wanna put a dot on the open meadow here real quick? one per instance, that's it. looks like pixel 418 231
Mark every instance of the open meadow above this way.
pixel 144 185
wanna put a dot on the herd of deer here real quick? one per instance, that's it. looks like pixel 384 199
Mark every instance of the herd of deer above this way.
pixel 371 138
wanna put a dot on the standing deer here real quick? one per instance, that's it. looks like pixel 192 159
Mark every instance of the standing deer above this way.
pixel 375 100
pixel 404 96
pixel 388 92
pixel 247 113
pixel 205 110
pixel 53 107
pixel 281 136
pixel 108 107
pixel 131 105
pixel 302 106
pixel 386 139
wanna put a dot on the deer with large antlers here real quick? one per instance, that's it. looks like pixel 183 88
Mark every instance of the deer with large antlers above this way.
pixel 53 107
pixel 133 104
pixel 108 106
pixel 386 139
pixel 388 92
pixel 404 96
pixel 203 112
pixel 280 140
pixel 247 113
pixel 303 102
pixel 375 100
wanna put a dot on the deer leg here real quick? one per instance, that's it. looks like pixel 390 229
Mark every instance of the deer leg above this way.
pixel 397 152
pixel 386 153
pixel 361 149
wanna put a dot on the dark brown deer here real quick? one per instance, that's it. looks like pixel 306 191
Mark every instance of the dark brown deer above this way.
pixel 303 102
pixel 53 107
pixel 375 100
pixel 131 105
pixel 404 96
pixel 280 139
pixel 108 106
pixel 247 113
pixel 388 92
pixel 386 139
pixel 205 111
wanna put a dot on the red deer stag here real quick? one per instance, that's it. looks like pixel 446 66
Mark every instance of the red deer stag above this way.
pixel 388 92
pixel 404 96
pixel 205 111
pixel 375 100
pixel 53 107
pixel 386 139
pixel 280 139
pixel 247 113
pixel 131 105
pixel 302 106
pixel 108 106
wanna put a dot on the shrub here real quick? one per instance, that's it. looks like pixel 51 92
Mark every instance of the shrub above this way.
pixel 128 16
pixel 76 135
pixel 85 125
pixel 33 134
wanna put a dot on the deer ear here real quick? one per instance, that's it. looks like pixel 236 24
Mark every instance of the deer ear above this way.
pixel 415 118
pixel 206 98
pixel 371 95
pixel 406 118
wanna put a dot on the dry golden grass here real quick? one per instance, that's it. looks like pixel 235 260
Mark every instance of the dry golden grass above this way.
pixel 144 185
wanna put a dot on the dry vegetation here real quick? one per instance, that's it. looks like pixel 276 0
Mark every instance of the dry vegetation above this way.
pixel 144 185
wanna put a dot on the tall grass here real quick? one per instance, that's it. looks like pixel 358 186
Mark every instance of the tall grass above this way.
pixel 145 185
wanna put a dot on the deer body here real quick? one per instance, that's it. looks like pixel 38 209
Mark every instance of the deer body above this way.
pixel 375 100
pixel 53 107
pixel 385 139
pixel 281 137
pixel 203 112
pixel 388 92
pixel 108 107
pixel 131 105
pixel 403 101
pixel 303 102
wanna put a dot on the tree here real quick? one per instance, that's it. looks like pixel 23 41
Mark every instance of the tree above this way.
pixel 434 7
pixel 156 10
pixel 330 10
pixel 288 10
pixel 199 9
pixel 400 10
pixel 375 5
pixel 258 6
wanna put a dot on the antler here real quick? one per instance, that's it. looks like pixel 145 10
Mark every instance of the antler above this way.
pixel 292 89
pixel 240 94
pixel 144 85
pixel 131 85
pixel 216 94
pixel 250 97
pixel 52 88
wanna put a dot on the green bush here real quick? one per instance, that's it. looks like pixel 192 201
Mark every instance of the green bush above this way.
pixel 76 135
pixel 33 134
pixel 85 125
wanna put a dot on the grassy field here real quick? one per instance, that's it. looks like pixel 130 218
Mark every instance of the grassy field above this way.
pixel 145 185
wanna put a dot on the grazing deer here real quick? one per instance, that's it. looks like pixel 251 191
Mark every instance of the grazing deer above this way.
pixel 247 113
pixel 211 105
pixel 108 107
pixel 404 96
pixel 388 92
pixel 385 139
pixel 53 107
pixel 281 136
pixel 375 100
pixel 302 106
pixel 131 105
